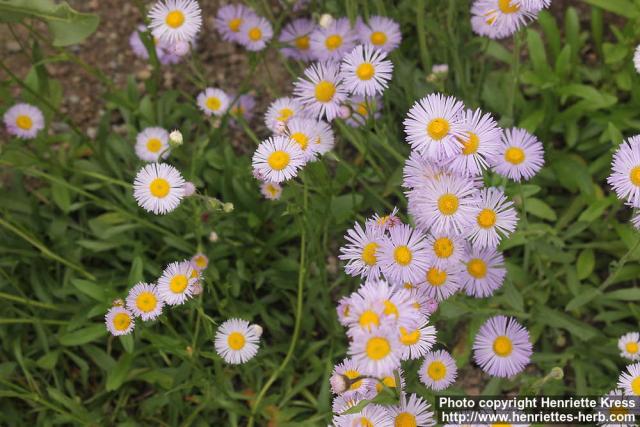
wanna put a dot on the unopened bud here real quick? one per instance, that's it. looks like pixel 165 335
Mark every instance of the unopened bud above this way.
pixel 213 236
pixel 118 302
pixel 180 48
pixel 325 20
pixel 339 383
pixel 281 127
pixel 227 207
pixel 196 289
pixel 175 137
pixel 556 373
pixel 188 189
pixel 344 112
pixel 257 329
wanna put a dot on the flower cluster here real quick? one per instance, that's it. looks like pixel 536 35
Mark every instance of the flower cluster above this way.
pixel 498 19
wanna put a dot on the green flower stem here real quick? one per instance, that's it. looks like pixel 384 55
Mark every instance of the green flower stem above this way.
pixel 30 302
pixel 526 224
pixel 625 258
pixel 515 69
pixel 422 36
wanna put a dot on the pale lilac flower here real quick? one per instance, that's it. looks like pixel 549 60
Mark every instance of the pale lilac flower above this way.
pixel 411 412
pixel 360 109
pixel 494 218
pixel 625 171
pixel 403 255
pixel 236 341
pixel 119 321
pixel 175 20
pixel 281 111
pixel 152 144
pixel 629 345
pixel 444 249
pixel 230 18
pixel 520 157
pixel 271 190
pixel 320 90
pixel 377 351
pixel 438 371
pixel 278 159
pixel 255 32
pixel 144 301
pixel 381 32
pixel 352 370
pixel 213 101
pixel 441 282
pixel 24 120
pixel 366 71
pixel 502 347
pixel 175 286
pixel 333 41
pixel 417 341
pixel 371 415
pixel 501 18
pixel 158 188
pixel 629 381
pixel 296 38
pixel 362 251
pixel 483 272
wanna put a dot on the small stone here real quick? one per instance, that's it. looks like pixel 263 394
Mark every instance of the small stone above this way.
pixel 13 46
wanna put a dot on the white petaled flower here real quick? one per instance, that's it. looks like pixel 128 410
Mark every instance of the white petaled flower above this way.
pixel 411 412
pixel 483 271
pixel 213 101
pixel 366 71
pixel 175 20
pixel 364 314
pixel 199 262
pixel 144 301
pixel 362 251
pixel 444 249
pixel 236 341
pixel 415 342
pixel 175 286
pixel 371 415
pixel 304 132
pixel 24 120
pixel 434 126
pixel 321 90
pixel 625 171
pixel 324 140
pixel 502 347
pixel 385 222
pixel 278 159
pixel 441 282
pixel 440 68
pixel 333 41
pixel 152 144
pixel 438 371
pixel 636 58
pixel 629 345
pixel 614 408
pixel 255 33
pixel 229 19
pixel 360 109
pixel 499 18
pixel 481 141
pixel 494 218
pixel 377 351
pixel 343 309
pixel 357 383
pixel 403 255
pixel 521 155
pixel 158 188
pixel 533 5
pixel 119 321
pixel 271 190
pixel 419 172
pixel 376 303
pixel 189 189
pixel 381 32
pixel 296 38
pixel 281 111
pixel 629 380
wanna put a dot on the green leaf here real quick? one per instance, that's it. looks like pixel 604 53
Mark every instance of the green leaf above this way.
pixel 624 8
pixel 83 336
pixel 585 264
pixel 540 209
pixel 117 375
pixel 536 51
pixel 631 294
pixel 89 288
pixel 557 319
pixel 583 298
pixel 61 196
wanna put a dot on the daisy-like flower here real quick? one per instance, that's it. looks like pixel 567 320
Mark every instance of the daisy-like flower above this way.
pixel 175 20
pixel 158 188
pixel 391 304
pixel 615 409
pixel 281 111
pixel 361 108
pixel 304 132
pixel 243 107
pixel 346 401
pixel 533 5
pixel 366 71
pixel 296 38
pixel 365 313
pixel 404 255
pixel 434 126
pixel 119 321
pixel 411 412
pixel 444 205
pixel 199 262
pixel 625 171
pixel 481 141
pixel 343 310
pixel 236 341
pixel 271 190
pixel 144 301
pixel 521 155
pixel 417 341
pixel 24 120
pixel 377 351
pixel 324 140
pixel 495 218
pixel 420 300
pixel 502 347
pixel 419 172
pixel 372 415
pixel 483 272
pixel 278 159
pixel 321 90
pixel 175 286
pixel 629 381
pixel 152 144
pixel 629 345
pixel 356 381
pixel 255 33
pixel 499 18
pixel 381 32
pixel 441 282
pixel 438 371
pixel 444 249
pixel 229 20
pixel 636 58
pixel 213 101
pixel 333 41
pixel 362 251
pixel 385 222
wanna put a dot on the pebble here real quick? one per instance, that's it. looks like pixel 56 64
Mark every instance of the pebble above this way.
pixel 13 46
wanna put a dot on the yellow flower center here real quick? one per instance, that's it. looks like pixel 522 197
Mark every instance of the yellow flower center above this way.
pixel 409 338
pixel 175 19
pixel 279 160
pixel 301 139
pixel 351 374
pixel 389 381
pixel 302 42
pixel 470 146
pixel 634 176
pixel 390 309
pixel 365 422
pixel 24 122
pixel 236 341
pixel 443 247
pixel 618 410
pixel 213 103
pixel 178 283
pixel 365 71
pixel 146 302
pixel 438 128
pixel 121 321
pixel 333 42
pixel 378 38
pixel 159 188
pixel 234 24
pixel 272 190
pixel 436 370
pixel 514 155
pixel 201 262
pixel 362 109
pixel 255 34
pixel 402 255
pixel 436 277
pixel 448 204
pixel 369 253
pixel 405 419
pixel 635 386
pixel 507 7
pixel 325 91
pixel 285 114
pixel 377 348
pixel 486 218
pixel 632 347
pixel 154 145
pixel 477 268
pixel 502 346
pixel 368 318
pixel 501 425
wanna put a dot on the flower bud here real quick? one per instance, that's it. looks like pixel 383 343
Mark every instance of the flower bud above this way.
pixel 227 207
pixel 188 189
pixel 257 329
pixel 339 383
pixel 344 112
pixel 175 137
pixel 325 20
pixel 213 236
